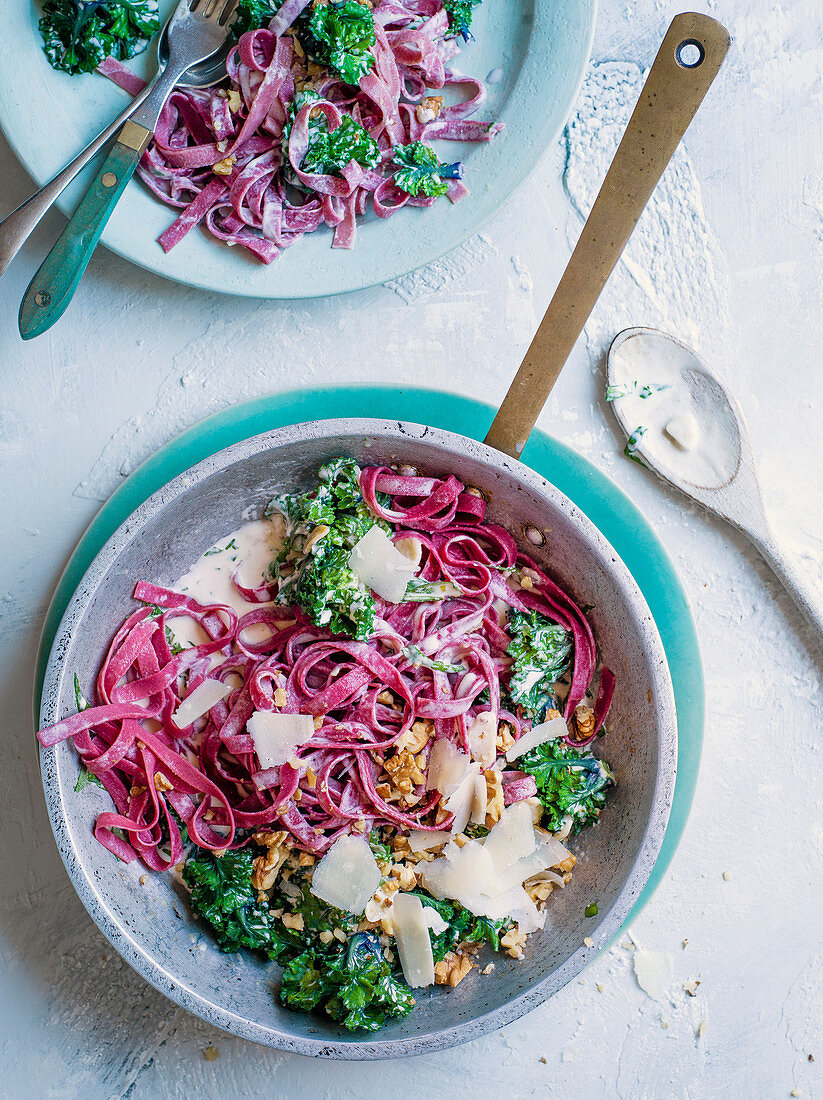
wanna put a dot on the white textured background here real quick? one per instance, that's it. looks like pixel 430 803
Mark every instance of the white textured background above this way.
pixel 730 256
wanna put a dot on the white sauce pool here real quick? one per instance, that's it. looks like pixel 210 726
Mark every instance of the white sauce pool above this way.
pixel 248 550
pixel 689 395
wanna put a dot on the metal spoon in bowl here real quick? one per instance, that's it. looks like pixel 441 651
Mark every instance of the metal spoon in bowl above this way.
pixel 19 225
pixel 691 432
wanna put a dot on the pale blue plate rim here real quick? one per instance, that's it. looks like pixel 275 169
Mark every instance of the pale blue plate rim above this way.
pixel 553 68
pixel 606 505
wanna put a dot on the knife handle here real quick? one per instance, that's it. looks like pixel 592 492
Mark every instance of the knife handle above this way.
pixel 55 282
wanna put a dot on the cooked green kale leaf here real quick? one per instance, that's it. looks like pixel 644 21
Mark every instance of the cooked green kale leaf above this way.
pixel 570 783
pixel 85 777
pixel 355 986
pixel 419 172
pixel 79 34
pixel 379 849
pixel 329 151
pixel 463 926
pixel 416 655
pixel 541 651
pixel 320 580
pixel 340 37
pixel 350 982
pixel 460 17
pixel 252 14
pixel 222 893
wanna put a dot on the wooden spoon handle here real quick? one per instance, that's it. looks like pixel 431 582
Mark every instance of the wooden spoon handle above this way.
pixel 686 64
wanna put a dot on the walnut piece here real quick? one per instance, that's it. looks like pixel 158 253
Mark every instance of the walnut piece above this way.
pixel 266 867
pixel 583 721
pixel 416 738
pixel 513 941
pixel 494 796
pixel 429 108
pixel 452 968
pixel 505 738
pixel 225 166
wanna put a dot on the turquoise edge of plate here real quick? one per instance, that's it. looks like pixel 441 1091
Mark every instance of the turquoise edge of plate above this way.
pixel 592 491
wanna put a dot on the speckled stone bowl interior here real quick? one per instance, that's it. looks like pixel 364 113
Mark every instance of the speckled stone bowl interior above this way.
pixel 151 926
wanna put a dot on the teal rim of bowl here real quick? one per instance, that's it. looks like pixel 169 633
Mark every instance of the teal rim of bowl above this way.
pixel 606 505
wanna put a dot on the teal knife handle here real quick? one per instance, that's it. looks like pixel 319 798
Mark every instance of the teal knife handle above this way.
pixel 52 288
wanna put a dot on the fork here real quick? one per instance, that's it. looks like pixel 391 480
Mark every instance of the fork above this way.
pixel 196 30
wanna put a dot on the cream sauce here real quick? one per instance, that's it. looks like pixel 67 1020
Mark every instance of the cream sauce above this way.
pixel 248 551
pixel 683 392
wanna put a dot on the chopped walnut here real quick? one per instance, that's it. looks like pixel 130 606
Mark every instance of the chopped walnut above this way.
pixel 405 772
pixel 311 778
pixel 583 721
pixel 294 921
pixel 266 867
pixel 526 581
pixel 280 697
pixel 225 166
pixel 235 101
pixel 136 790
pixel 386 698
pixel 379 904
pixel 494 796
pixel 441 815
pixel 161 783
pixel 513 941
pixel 505 738
pixel 538 891
pixel 567 864
pixel 405 876
pixel 416 738
pixel 318 721
pixel 452 968
pixel 429 108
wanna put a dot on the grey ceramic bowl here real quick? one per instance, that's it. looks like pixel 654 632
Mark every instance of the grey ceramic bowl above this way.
pixel 151 926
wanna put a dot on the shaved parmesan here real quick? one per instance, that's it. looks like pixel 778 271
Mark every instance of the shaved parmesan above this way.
pixel 538 735
pixel 482 734
pixel 460 873
pixel 447 767
pixel 514 903
pixel 512 838
pixel 517 873
pixel 276 736
pixel 478 815
pixel 421 840
pixel 411 932
pixel 347 875
pixel 434 920
pixel 555 852
pixel 200 701
pixel 410 548
pixel 487 877
pixel 461 800
pixel 380 565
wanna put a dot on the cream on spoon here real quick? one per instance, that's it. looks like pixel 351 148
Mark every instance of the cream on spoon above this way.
pixel 683 424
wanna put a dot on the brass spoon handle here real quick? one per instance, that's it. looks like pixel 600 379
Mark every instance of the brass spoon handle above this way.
pixel 674 89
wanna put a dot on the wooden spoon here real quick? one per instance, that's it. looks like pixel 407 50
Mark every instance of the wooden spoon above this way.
pixel 686 64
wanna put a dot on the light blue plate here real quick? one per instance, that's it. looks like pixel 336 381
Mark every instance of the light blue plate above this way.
pixel 541 47
pixel 605 505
